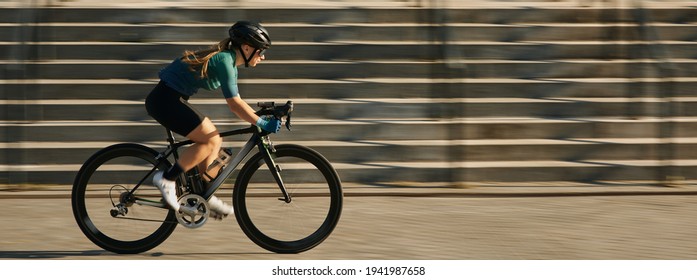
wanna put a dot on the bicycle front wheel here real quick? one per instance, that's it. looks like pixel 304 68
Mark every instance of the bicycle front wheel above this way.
pixel 298 225
pixel 105 210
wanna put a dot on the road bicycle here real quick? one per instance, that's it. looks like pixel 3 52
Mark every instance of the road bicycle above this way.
pixel 286 198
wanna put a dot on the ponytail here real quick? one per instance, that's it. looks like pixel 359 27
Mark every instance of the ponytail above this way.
pixel 198 60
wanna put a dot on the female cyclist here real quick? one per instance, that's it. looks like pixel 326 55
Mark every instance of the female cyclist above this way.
pixel 209 69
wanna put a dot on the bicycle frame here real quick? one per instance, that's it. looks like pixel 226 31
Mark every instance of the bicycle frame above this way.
pixel 258 139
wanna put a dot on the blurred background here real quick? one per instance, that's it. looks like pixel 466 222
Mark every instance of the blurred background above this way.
pixel 395 93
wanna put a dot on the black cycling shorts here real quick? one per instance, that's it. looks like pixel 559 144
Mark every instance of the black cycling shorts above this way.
pixel 171 109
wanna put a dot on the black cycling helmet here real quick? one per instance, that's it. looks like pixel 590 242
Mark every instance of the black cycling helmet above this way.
pixel 253 34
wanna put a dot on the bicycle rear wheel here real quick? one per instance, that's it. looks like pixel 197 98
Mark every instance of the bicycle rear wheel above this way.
pixel 312 214
pixel 106 213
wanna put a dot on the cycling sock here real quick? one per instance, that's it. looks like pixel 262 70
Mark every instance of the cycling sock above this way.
pixel 173 172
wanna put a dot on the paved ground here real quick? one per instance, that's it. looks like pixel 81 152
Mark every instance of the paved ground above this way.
pixel 442 226
pixel 349 3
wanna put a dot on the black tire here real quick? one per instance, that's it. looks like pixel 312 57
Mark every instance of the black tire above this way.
pixel 98 186
pixel 302 224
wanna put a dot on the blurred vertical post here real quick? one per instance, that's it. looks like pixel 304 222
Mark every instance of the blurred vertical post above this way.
pixel 667 110
pixel 447 80
pixel 15 88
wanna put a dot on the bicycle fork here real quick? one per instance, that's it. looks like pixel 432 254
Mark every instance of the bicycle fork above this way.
pixel 267 147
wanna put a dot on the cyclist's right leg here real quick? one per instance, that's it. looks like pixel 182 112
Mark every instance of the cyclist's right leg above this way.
pixel 206 140
pixel 172 109
pixel 203 153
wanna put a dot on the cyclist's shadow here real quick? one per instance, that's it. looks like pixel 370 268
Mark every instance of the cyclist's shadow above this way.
pixel 98 253
pixel 50 254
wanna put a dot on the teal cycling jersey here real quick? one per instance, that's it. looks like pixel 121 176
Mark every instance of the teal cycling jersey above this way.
pixel 222 73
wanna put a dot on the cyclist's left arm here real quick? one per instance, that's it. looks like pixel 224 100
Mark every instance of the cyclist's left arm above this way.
pixel 242 109
pixel 245 112
pixel 227 74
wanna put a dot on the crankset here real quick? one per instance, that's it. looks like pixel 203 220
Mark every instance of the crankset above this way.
pixel 193 211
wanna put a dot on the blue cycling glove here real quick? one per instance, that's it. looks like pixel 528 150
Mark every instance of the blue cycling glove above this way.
pixel 272 125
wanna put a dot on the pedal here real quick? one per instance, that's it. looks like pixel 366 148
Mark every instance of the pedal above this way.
pixel 217 216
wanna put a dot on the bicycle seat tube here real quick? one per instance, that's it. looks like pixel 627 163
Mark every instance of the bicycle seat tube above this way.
pixel 225 173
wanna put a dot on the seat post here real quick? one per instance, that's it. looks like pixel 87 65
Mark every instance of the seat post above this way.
pixel 170 137
pixel 171 140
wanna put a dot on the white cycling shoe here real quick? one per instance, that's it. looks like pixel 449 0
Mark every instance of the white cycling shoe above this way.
pixel 168 189
pixel 219 209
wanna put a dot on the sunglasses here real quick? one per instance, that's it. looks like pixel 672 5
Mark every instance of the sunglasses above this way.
pixel 262 52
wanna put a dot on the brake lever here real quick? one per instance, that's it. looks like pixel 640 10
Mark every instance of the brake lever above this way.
pixel 269 108
pixel 289 111
pixel 285 111
pixel 288 125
